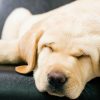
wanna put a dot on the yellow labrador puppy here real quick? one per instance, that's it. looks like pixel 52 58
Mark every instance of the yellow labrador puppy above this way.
pixel 61 46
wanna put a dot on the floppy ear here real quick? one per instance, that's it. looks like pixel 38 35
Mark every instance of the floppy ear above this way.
pixel 28 49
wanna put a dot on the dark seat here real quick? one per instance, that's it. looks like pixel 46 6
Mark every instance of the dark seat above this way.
pixel 14 86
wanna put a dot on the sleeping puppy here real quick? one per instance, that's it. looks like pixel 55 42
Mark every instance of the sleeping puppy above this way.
pixel 62 46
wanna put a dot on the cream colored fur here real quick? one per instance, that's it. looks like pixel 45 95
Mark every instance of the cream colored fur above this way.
pixel 66 39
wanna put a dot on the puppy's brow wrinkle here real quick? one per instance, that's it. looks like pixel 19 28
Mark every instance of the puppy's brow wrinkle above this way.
pixel 51 43
pixel 48 44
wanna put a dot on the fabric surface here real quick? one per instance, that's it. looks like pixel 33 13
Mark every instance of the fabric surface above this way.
pixel 14 86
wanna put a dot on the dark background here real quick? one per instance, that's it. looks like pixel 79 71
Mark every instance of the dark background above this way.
pixel 14 86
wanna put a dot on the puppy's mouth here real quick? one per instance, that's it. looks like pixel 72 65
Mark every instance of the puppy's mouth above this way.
pixel 55 91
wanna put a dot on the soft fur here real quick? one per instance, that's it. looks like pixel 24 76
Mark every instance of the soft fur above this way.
pixel 65 40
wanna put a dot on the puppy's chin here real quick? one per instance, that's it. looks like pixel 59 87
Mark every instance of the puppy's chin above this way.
pixel 74 94
pixel 71 92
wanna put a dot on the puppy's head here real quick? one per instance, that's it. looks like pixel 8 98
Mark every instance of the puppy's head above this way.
pixel 64 65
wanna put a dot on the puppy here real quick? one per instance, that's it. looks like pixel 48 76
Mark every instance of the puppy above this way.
pixel 62 46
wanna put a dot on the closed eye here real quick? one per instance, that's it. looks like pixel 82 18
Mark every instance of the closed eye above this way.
pixel 49 46
pixel 81 56
pixel 79 53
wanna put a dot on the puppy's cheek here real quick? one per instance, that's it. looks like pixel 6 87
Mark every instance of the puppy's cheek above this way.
pixel 37 80
pixel 40 81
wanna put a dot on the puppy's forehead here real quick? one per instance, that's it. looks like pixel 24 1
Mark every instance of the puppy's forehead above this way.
pixel 54 37
pixel 59 40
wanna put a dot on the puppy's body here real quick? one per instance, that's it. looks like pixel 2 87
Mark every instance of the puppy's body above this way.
pixel 66 40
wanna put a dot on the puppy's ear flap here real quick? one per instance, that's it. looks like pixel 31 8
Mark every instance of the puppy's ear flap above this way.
pixel 28 50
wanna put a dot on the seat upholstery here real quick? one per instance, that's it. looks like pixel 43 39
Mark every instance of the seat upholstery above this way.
pixel 14 86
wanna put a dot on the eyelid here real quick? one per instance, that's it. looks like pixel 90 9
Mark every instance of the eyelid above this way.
pixel 80 55
pixel 76 52
pixel 49 45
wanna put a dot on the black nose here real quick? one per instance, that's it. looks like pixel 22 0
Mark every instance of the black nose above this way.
pixel 56 79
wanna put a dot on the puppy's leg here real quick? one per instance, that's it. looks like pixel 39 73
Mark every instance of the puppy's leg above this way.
pixel 9 52
pixel 14 22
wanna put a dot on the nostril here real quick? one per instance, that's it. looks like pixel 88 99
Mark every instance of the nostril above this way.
pixel 56 79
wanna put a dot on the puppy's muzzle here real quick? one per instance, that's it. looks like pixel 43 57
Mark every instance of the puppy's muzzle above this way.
pixel 56 80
